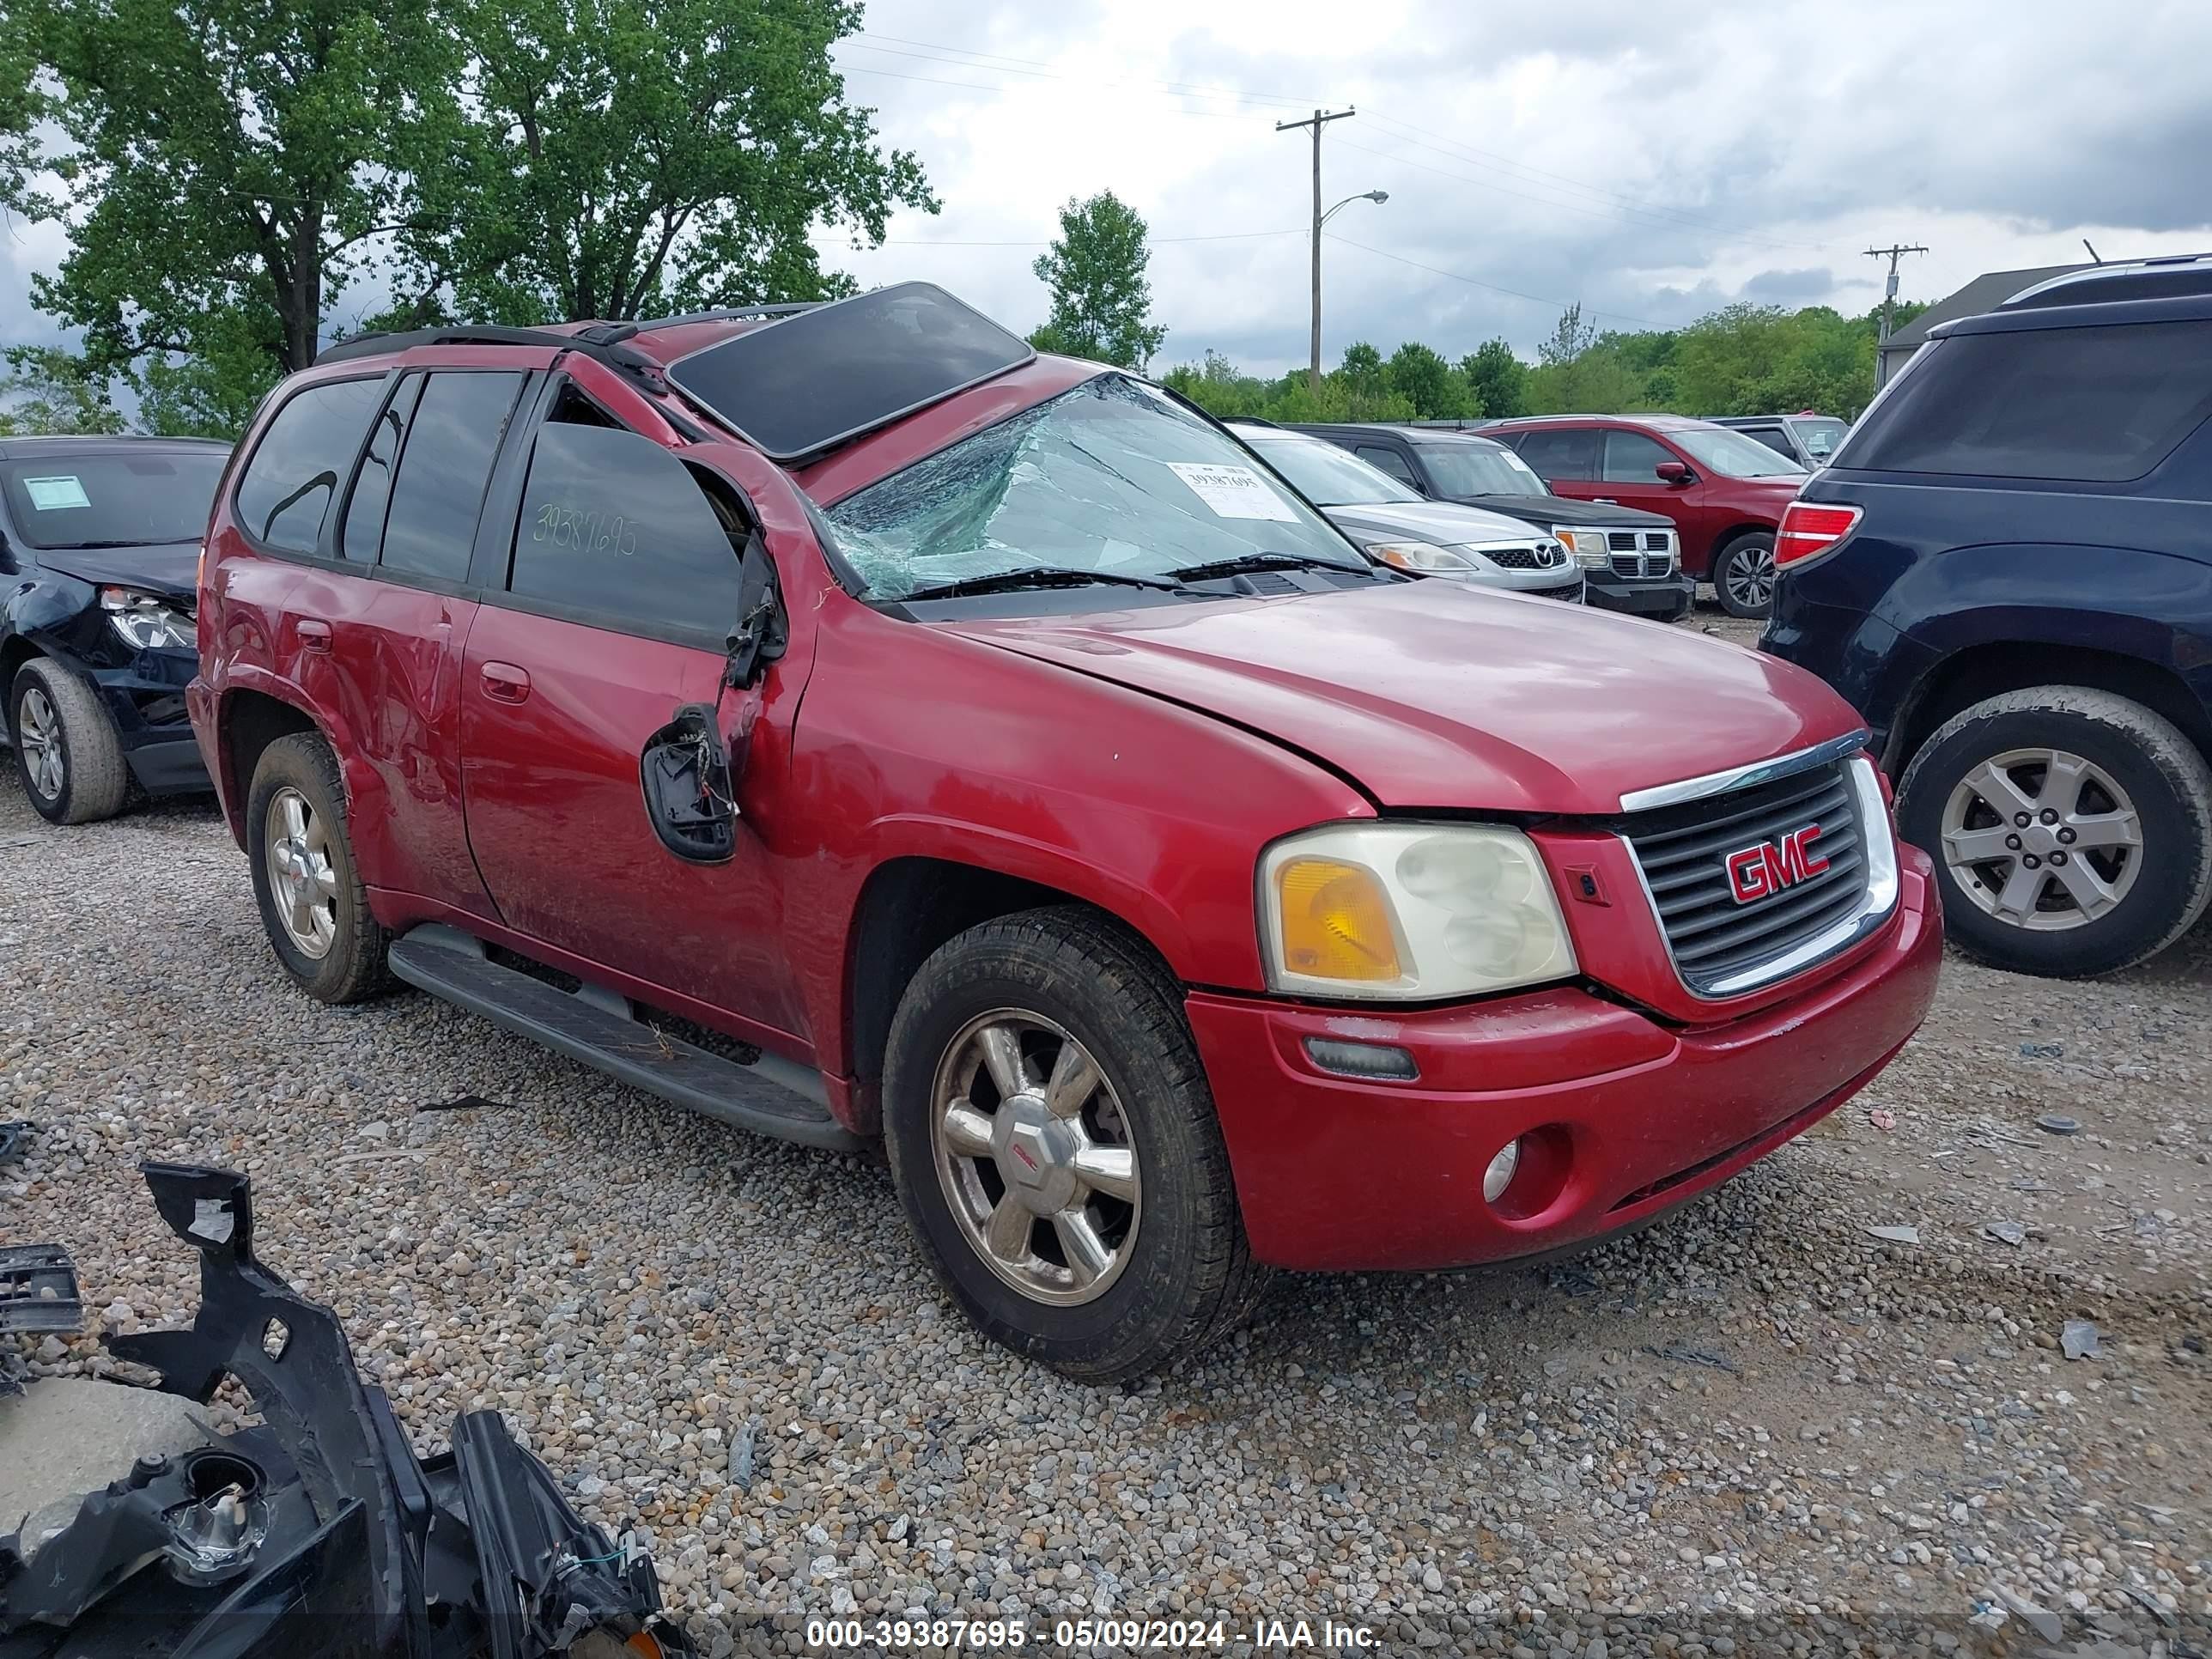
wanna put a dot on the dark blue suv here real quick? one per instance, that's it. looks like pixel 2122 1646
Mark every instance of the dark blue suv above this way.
pixel 2008 569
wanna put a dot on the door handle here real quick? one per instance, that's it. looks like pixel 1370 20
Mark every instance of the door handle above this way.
pixel 504 683
pixel 314 635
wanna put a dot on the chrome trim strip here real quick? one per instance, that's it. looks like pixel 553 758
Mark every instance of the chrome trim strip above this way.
pixel 1743 777
pixel 1877 902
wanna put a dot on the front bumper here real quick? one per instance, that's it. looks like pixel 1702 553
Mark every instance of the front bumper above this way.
pixel 1655 596
pixel 1625 1116
pixel 145 698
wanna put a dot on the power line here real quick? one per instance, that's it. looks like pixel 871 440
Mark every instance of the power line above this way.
pixel 1893 253
pixel 1476 282
pixel 1217 236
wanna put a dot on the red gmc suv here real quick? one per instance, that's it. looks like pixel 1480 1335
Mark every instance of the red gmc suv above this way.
pixel 847 723
pixel 1724 490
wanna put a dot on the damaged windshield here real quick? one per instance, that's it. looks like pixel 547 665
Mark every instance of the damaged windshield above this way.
pixel 1112 477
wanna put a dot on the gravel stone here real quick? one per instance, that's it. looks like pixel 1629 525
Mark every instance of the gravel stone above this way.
pixel 1747 1430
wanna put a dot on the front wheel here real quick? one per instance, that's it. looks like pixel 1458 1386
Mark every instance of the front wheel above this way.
pixel 1054 1144
pixel 67 752
pixel 1743 575
pixel 2071 829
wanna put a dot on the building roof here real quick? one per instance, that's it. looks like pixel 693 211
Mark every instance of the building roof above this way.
pixel 1985 293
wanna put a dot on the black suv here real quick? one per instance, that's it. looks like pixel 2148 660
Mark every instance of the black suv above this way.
pixel 2007 567
pixel 99 542
pixel 1631 560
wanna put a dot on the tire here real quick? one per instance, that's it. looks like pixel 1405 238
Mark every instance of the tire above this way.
pixel 2108 758
pixel 317 868
pixel 1182 1272
pixel 1743 575
pixel 70 758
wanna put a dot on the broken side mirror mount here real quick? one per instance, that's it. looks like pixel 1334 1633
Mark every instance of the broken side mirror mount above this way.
pixel 689 792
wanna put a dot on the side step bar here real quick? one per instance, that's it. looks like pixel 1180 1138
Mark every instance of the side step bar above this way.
pixel 596 1026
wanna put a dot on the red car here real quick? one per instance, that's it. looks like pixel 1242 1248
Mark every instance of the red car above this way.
pixel 1724 490
pixel 850 724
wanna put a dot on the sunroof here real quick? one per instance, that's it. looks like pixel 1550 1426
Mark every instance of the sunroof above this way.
pixel 800 386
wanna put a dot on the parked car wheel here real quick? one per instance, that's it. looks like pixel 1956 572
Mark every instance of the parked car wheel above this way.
pixel 1054 1141
pixel 67 752
pixel 312 903
pixel 2071 829
pixel 1743 575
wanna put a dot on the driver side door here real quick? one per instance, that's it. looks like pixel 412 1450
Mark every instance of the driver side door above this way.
pixel 620 585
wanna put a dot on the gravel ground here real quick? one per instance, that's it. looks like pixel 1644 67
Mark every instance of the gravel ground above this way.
pixel 1755 1428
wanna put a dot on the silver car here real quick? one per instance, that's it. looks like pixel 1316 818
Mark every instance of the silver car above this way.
pixel 1400 528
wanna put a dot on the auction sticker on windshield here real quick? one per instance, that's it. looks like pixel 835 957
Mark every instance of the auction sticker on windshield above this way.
pixel 1233 492
pixel 48 493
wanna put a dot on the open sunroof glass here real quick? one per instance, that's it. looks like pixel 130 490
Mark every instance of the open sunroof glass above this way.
pixel 797 386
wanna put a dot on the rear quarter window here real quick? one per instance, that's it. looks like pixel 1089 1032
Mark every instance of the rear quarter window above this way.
pixel 303 459
pixel 2101 404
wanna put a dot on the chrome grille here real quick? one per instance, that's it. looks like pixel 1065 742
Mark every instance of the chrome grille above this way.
pixel 1681 851
pixel 1641 555
pixel 1620 541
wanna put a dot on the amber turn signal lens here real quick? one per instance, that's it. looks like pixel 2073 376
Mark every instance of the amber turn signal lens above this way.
pixel 1336 922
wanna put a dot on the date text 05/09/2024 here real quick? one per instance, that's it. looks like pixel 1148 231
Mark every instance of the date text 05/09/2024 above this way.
pixel 1084 1635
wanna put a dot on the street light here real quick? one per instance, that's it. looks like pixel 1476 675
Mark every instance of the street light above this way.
pixel 1378 196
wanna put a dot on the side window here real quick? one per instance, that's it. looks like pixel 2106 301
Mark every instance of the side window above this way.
pixel 439 492
pixel 1631 458
pixel 1567 453
pixel 364 535
pixel 1389 460
pixel 1773 436
pixel 296 470
pixel 614 527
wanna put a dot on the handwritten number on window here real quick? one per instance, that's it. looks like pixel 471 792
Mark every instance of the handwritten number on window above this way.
pixel 584 532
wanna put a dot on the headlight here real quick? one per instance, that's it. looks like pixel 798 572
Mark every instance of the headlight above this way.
pixel 1588 546
pixel 1423 556
pixel 146 622
pixel 1409 910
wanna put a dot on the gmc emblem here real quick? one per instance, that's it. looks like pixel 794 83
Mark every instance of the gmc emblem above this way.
pixel 1761 872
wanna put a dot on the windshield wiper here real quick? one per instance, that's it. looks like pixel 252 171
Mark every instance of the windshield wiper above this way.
pixel 93 547
pixel 1244 561
pixel 1012 582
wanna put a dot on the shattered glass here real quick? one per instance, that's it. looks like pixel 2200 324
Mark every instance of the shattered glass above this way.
pixel 1085 481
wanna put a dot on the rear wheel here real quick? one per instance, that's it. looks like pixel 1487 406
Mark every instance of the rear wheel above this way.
pixel 2071 829
pixel 1743 575
pixel 314 904
pixel 1054 1144
pixel 67 752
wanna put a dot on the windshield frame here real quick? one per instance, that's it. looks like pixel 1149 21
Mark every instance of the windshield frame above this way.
pixel 25 520
pixel 1691 440
pixel 838 539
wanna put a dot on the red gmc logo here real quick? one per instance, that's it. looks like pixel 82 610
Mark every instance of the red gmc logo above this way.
pixel 1761 872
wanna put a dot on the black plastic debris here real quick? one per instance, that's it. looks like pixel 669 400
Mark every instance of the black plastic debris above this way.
pixel 318 1531
pixel 463 1103
pixel 12 1137
pixel 37 1290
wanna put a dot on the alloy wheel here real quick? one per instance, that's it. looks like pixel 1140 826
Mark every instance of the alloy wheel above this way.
pixel 302 883
pixel 2042 839
pixel 1036 1157
pixel 1750 577
pixel 38 731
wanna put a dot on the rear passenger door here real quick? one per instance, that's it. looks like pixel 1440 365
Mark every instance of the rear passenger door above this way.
pixel 1567 457
pixel 393 642
pixel 614 590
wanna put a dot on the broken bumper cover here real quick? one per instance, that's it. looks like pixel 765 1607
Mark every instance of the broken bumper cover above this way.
pixel 318 1532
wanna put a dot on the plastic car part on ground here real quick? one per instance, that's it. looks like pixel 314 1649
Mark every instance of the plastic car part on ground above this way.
pixel 319 1530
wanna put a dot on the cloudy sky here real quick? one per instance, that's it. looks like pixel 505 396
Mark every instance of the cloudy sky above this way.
pixel 1653 160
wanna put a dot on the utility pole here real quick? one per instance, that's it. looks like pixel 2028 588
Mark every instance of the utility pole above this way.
pixel 1318 120
pixel 1889 294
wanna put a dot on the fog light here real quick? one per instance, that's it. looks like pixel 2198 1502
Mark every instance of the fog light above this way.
pixel 1499 1176
pixel 1362 1059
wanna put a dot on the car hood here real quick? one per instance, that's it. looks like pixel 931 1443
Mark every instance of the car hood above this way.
pixel 1430 694
pixel 169 568
pixel 1557 509
pixel 1446 524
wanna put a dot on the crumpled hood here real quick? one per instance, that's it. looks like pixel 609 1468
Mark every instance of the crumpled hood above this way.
pixel 1446 524
pixel 1433 695
pixel 169 568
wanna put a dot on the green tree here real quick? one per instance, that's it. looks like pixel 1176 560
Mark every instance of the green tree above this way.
pixel 1101 300
pixel 1436 389
pixel 47 389
pixel 1363 372
pixel 1570 337
pixel 1217 387
pixel 1497 379
pixel 224 168
pixel 622 159
pixel 1596 382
